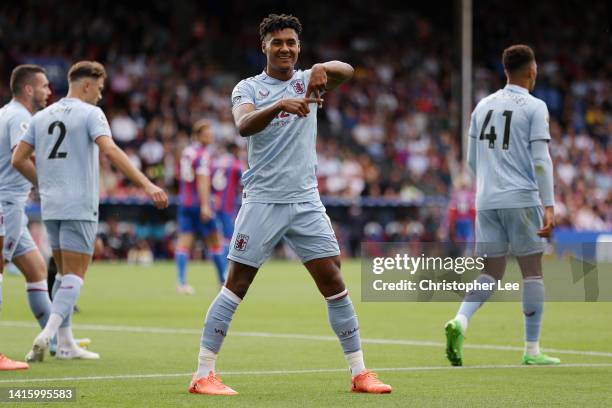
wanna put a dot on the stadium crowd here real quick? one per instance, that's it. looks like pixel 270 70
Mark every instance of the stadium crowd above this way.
pixel 390 133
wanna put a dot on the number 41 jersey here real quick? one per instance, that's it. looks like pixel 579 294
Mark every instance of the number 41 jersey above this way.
pixel 63 136
pixel 503 125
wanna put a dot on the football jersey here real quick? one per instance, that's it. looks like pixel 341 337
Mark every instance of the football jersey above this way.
pixel 503 125
pixel 195 161
pixel 282 158
pixel 14 121
pixel 226 171
pixel 67 163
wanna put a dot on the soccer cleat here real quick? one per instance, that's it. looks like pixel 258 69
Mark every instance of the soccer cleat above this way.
pixel 540 359
pixel 83 343
pixel 185 290
pixel 210 385
pixel 75 353
pixel 454 342
pixel 367 381
pixel 6 364
pixel 40 345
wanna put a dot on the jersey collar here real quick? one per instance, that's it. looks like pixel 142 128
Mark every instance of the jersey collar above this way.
pixel 516 88
pixel 273 81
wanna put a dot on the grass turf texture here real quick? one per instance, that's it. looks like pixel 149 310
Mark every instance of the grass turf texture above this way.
pixel 284 300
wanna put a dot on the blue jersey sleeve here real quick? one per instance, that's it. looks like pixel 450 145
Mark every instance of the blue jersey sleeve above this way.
pixel 97 124
pixel 243 93
pixel 539 129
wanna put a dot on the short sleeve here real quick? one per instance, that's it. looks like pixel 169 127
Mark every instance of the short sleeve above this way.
pixel 243 93
pixel 97 124
pixel 539 127
pixel 28 135
pixel 18 126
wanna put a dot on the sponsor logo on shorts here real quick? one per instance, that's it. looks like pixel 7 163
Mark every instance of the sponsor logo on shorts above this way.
pixel 241 242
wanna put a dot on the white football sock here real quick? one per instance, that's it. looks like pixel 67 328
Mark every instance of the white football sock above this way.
pixel 355 362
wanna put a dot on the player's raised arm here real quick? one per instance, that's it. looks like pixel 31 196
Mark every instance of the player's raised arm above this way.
pixel 328 76
pixel 120 160
pixel 22 161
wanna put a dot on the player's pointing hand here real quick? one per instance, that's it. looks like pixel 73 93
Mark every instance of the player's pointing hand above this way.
pixel 298 106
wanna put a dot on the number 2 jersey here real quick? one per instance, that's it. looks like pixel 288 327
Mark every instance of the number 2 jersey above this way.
pixel 63 136
pixel 503 125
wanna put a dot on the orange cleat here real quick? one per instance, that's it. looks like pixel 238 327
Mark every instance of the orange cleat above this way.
pixel 210 385
pixel 367 381
pixel 7 364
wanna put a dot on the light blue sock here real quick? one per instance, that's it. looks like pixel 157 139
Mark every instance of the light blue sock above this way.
pixel 38 299
pixel 181 257
pixel 533 307
pixel 220 264
pixel 66 297
pixel 343 320
pixel 474 299
pixel 218 319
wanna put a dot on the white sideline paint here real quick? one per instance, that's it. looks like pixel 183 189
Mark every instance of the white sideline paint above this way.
pixel 294 372
pixel 416 343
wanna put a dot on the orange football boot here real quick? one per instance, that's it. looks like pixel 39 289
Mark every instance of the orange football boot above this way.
pixel 210 385
pixel 7 364
pixel 367 381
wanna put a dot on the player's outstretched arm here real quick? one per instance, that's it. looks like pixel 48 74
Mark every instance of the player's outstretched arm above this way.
pixel 120 160
pixel 543 167
pixel 327 76
pixel 249 120
pixel 22 161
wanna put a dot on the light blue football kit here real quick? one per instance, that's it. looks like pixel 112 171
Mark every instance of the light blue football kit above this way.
pixel 280 198
pixel 503 127
pixel 14 188
pixel 63 136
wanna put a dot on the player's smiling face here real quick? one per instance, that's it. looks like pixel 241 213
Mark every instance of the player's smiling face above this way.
pixel 282 48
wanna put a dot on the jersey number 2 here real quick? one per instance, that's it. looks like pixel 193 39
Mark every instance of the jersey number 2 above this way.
pixel 492 136
pixel 62 133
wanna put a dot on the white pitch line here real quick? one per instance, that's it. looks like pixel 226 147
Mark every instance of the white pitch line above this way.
pixel 295 336
pixel 296 372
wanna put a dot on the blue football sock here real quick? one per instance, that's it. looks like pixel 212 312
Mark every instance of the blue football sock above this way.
pixel 38 299
pixel 220 264
pixel 218 319
pixel 474 299
pixel 181 258
pixel 533 307
pixel 343 320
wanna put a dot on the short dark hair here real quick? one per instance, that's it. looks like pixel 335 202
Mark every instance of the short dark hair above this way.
pixel 517 57
pixel 22 75
pixel 275 22
pixel 86 69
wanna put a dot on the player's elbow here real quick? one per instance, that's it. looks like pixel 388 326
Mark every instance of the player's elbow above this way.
pixel 244 129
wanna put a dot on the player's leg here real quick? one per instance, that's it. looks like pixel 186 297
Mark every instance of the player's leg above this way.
pixel 23 252
pixel 523 224
pixel 75 240
pixel 214 244
pixel 187 226
pixel 184 243
pixel 312 237
pixel 252 244
pixel 492 245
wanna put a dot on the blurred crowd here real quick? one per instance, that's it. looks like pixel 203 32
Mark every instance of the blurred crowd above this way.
pixel 390 133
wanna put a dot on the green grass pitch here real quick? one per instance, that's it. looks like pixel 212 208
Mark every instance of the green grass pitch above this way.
pixel 281 352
